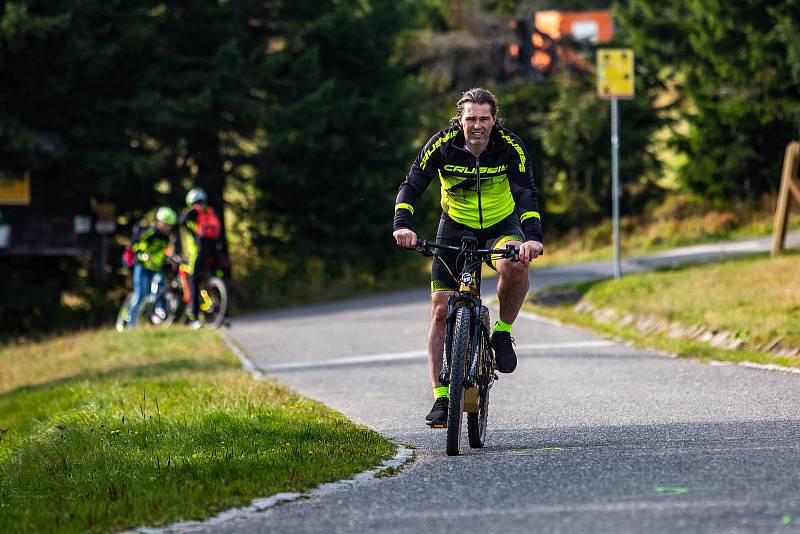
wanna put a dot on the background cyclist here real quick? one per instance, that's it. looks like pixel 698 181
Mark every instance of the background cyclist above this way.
pixel 487 190
pixel 150 248
pixel 201 230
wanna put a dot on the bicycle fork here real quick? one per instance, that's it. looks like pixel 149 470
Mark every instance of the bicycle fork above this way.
pixel 475 325
pixel 444 376
pixel 471 377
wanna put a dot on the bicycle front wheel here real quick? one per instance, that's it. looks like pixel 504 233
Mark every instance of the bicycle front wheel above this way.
pixel 458 362
pixel 124 319
pixel 122 315
pixel 214 303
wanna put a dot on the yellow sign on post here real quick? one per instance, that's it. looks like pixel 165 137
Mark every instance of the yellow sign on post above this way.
pixel 615 82
pixel 615 73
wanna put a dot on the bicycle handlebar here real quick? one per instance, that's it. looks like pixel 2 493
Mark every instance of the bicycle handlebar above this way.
pixel 426 249
pixel 177 259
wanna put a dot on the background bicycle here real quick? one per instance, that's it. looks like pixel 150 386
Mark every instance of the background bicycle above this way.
pixel 174 295
pixel 148 313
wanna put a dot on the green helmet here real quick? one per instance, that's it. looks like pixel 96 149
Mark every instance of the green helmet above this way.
pixel 195 195
pixel 166 215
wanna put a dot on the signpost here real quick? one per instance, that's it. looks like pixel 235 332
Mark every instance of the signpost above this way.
pixel 790 187
pixel 104 226
pixel 614 82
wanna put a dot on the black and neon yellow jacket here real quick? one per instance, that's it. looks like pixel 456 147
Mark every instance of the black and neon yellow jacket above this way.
pixel 476 192
pixel 150 248
pixel 190 242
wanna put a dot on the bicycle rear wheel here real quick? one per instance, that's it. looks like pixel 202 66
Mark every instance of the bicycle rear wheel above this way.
pixel 477 422
pixel 458 362
pixel 214 303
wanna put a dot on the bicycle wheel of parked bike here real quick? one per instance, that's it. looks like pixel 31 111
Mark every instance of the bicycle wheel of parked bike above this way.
pixel 458 362
pixel 214 302
pixel 477 422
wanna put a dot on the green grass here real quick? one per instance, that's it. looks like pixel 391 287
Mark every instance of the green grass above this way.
pixel 106 431
pixel 679 221
pixel 757 299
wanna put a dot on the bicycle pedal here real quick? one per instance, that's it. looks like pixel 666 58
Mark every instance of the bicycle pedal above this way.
pixel 437 425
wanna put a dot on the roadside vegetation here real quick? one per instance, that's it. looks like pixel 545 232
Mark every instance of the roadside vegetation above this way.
pixel 680 220
pixel 102 432
pixel 738 310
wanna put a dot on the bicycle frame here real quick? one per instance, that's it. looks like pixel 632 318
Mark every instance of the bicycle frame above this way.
pixel 468 295
pixel 156 283
pixel 469 282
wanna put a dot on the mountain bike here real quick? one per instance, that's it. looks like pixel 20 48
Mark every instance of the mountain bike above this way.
pixel 149 312
pixel 468 361
pixel 173 296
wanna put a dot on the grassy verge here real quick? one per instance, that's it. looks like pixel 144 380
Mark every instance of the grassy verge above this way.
pixel 756 300
pixel 103 431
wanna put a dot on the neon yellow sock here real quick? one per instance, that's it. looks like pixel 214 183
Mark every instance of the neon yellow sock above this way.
pixel 441 391
pixel 500 326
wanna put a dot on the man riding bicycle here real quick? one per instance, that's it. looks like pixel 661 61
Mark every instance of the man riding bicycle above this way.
pixel 487 191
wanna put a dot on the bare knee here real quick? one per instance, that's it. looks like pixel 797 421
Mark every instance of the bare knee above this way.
pixel 512 271
pixel 439 308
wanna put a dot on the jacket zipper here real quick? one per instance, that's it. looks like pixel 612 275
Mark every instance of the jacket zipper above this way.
pixel 478 178
pixel 478 185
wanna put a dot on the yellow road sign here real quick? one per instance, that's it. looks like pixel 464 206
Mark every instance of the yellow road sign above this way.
pixel 615 73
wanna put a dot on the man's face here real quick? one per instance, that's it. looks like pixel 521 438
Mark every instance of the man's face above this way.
pixel 477 122
pixel 164 227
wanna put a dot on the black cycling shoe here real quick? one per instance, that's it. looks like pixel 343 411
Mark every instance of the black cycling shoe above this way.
pixel 504 355
pixel 438 416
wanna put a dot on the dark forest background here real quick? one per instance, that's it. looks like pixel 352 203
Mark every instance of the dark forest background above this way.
pixel 301 117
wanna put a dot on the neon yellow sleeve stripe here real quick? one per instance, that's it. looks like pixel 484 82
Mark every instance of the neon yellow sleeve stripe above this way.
pixel 409 207
pixel 529 214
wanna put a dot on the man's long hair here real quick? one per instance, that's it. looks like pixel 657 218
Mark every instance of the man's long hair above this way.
pixel 476 95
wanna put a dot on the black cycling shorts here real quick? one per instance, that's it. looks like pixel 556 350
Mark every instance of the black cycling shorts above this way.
pixel 450 233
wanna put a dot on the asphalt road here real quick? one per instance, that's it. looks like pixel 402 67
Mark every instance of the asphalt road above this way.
pixel 586 435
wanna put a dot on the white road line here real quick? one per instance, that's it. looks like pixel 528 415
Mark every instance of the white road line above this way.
pixel 416 355
pixel 567 345
pixel 493 303
pixel 538 318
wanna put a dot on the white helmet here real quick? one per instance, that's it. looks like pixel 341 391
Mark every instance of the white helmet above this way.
pixel 195 195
